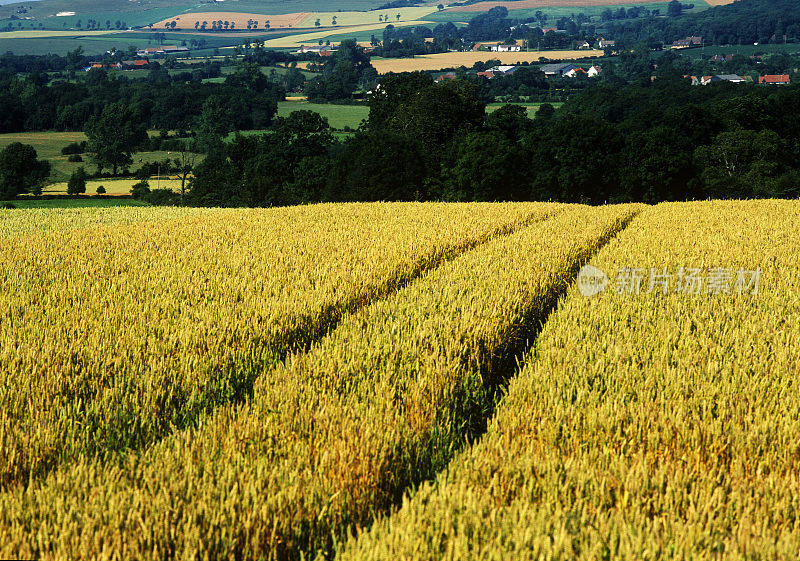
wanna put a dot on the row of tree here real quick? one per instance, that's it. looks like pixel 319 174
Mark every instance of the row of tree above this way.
pixel 30 103
pixel 645 142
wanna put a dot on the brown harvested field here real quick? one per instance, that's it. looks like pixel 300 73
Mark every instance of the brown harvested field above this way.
pixel 454 60
pixel 186 21
pixel 719 2
pixel 524 4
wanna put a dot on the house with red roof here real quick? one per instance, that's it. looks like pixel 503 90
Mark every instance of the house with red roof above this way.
pixel 774 79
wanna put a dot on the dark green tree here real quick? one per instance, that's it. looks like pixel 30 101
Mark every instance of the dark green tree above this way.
pixel 77 182
pixel 21 171
pixel 114 136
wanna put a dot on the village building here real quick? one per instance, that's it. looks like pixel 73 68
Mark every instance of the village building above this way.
pixel 687 43
pixel 778 79
pixel 505 48
pixel 557 70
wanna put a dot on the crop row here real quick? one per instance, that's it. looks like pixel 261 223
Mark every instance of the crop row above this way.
pixel 645 425
pixel 112 340
pixel 331 435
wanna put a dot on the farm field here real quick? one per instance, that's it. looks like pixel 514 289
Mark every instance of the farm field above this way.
pixel 339 116
pixel 211 352
pixel 300 20
pixel 343 379
pixel 454 60
pixel 409 380
pixel 308 38
pixel 48 146
pixel 114 186
pixel 641 424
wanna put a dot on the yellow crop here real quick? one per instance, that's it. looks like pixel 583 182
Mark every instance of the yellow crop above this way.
pixel 331 435
pixel 113 337
pixel 647 426
pixel 37 221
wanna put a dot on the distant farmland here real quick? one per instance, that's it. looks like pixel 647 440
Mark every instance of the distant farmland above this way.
pixel 524 4
pixel 454 60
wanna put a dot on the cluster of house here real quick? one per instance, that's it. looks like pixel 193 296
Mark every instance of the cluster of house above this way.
pixel 161 51
pixel 602 44
pixel 566 70
pixel 550 71
pixel 124 65
pixel 735 79
pixel 517 47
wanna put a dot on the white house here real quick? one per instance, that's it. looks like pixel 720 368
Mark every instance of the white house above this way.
pixel 594 71
pixel 506 48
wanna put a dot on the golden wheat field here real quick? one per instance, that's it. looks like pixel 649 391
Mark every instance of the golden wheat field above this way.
pixel 401 381
pixel 454 60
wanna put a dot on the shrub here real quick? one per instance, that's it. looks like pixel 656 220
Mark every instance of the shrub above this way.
pixel 75 158
pixel 140 190
pixel 101 190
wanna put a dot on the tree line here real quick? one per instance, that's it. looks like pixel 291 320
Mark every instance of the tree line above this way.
pixel 646 142
pixel 32 104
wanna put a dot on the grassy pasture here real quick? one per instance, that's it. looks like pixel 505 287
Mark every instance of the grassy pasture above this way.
pixel 339 116
pixel 48 146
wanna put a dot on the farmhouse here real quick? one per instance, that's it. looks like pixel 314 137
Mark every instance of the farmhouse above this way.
pixel 606 44
pixel 686 43
pixel 706 80
pixel 557 70
pixel 583 45
pixel 594 71
pixel 774 79
pixel 575 72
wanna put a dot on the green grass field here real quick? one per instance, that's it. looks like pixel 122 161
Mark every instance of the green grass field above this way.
pixel 339 116
pixel 48 146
